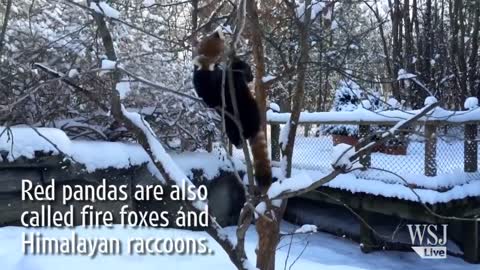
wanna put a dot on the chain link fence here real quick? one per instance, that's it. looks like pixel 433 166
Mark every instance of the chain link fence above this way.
pixel 430 156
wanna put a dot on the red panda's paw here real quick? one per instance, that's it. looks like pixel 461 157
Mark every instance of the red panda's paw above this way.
pixel 202 62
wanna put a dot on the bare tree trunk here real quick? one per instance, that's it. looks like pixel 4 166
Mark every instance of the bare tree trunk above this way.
pixel 396 15
pixel 268 237
pixel 409 47
pixel 268 229
pixel 304 32
pixel 194 26
pixel 473 60
pixel 462 60
pixel 259 60
pixel 5 24
pixel 386 50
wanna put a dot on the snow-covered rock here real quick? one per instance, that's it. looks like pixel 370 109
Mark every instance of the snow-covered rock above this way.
pixel 25 142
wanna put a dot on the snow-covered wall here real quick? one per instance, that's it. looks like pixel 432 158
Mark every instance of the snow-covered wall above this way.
pixel 27 142
pixel 42 154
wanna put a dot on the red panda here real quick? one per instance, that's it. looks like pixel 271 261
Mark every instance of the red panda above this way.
pixel 210 51
pixel 208 81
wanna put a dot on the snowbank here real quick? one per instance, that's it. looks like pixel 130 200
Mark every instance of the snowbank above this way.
pixel 351 183
pixel 25 142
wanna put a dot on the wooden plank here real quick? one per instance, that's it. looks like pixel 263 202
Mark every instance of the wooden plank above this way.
pixel 364 132
pixel 39 161
pixel 306 130
pixel 12 207
pixel 275 143
pixel 471 239
pixel 393 206
pixel 470 151
pixel 11 179
pixel 368 242
pixel 430 150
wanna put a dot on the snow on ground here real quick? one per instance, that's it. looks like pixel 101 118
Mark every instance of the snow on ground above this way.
pixel 323 251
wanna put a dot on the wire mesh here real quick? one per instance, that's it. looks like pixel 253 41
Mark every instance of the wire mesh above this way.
pixel 404 155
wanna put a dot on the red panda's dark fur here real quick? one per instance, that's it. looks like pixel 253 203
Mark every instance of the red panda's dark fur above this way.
pixel 207 80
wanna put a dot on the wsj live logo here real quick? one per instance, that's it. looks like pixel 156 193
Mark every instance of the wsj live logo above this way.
pixel 429 240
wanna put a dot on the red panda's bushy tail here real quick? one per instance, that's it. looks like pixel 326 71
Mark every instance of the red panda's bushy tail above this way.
pixel 261 161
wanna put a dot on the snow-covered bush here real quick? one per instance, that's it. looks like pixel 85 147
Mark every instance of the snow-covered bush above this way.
pixel 348 97
pixel 63 37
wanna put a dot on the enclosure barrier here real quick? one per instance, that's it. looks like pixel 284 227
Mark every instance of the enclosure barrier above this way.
pixel 440 145
pixel 437 152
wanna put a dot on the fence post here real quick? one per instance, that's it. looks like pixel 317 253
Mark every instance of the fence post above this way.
pixel 210 142
pixel 230 148
pixel 274 141
pixel 306 130
pixel 363 133
pixel 430 150
pixel 470 148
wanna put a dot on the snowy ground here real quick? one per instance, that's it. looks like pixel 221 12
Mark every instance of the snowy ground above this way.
pixel 323 251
